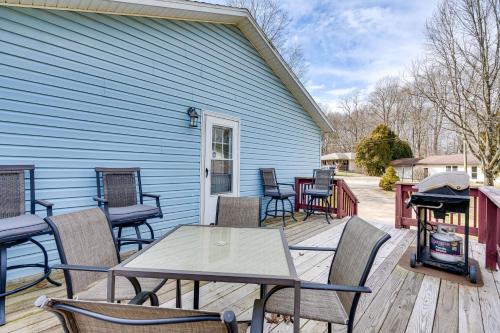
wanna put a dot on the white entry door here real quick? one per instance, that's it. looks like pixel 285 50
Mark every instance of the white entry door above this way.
pixel 220 170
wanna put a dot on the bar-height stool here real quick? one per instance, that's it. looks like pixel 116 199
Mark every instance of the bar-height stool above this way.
pixel 17 227
pixel 322 189
pixel 117 192
pixel 276 192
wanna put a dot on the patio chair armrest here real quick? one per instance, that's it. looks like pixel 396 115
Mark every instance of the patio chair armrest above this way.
pixel 80 268
pixel 257 324
pixel 288 184
pixel 133 322
pixel 151 195
pixel 47 204
pixel 135 240
pixel 156 197
pixel 334 287
pixel 99 199
pixel 102 202
pixel 312 248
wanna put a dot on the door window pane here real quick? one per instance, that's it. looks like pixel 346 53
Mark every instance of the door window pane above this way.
pixel 221 179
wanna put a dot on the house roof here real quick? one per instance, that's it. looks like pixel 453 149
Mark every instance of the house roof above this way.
pixel 196 11
pixel 453 159
pixel 405 162
pixel 338 156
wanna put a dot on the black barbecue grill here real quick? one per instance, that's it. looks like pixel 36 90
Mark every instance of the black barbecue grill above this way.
pixel 441 194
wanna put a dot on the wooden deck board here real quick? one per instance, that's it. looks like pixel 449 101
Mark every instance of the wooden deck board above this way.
pixel 399 314
pixel 401 300
pixel 446 318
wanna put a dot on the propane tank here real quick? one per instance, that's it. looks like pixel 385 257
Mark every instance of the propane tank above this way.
pixel 445 245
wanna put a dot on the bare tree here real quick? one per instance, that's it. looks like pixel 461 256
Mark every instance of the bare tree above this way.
pixel 460 75
pixel 384 98
pixel 274 21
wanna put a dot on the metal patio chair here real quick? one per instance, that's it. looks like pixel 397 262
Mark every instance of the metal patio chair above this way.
pixel 321 189
pixel 238 212
pixel 277 191
pixel 117 192
pixel 17 227
pixel 337 300
pixel 89 317
pixel 87 248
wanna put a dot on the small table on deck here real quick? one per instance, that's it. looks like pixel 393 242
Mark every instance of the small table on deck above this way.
pixel 212 253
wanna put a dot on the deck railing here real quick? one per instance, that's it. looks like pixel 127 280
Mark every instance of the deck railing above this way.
pixel 343 202
pixel 484 217
pixel 489 224
pixel 406 217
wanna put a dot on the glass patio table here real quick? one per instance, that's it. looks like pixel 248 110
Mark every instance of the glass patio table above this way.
pixel 211 253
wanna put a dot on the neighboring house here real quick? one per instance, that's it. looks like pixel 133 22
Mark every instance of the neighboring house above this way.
pixel 455 162
pixel 343 161
pixel 109 83
pixel 405 168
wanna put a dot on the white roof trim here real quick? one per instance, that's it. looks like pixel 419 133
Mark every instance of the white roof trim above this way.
pixel 196 11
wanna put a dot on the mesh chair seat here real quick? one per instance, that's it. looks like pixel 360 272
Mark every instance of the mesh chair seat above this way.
pixel 126 214
pixel 318 305
pixel 124 290
pixel 22 227
pixel 85 238
pixel 317 192
pixel 238 212
pixel 283 193
pixel 351 264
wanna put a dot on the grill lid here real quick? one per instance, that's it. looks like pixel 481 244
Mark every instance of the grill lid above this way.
pixel 457 181
pixel 442 193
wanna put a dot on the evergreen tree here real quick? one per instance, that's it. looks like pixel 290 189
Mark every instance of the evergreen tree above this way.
pixel 374 152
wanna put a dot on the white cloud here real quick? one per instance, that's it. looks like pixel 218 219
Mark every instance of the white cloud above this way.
pixel 311 86
pixel 340 92
pixel 351 44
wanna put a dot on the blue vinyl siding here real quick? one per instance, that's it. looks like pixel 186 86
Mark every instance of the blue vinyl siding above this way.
pixel 79 90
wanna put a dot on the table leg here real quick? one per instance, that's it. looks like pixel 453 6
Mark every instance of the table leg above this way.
pixel 111 287
pixel 196 301
pixel 262 291
pixel 296 308
pixel 178 294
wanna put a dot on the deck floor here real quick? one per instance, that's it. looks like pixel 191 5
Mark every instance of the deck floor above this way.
pixel 402 301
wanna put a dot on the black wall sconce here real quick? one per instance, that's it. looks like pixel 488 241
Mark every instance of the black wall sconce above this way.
pixel 193 117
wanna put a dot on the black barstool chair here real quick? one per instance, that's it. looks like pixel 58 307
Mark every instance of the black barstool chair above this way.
pixel 117 193
pixel 321 189
pixel 17 227
pixel 276 192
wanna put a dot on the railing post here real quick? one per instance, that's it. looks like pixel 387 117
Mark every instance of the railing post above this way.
pixel 491 237
pixel 340 198
pixel 481 217
pixel 399 205
pixel 297 193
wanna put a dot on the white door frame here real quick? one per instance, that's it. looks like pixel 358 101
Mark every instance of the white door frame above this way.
pixel 203 163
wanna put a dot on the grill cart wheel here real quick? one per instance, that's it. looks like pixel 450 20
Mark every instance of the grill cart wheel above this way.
pixel 413 260
pixel 473 273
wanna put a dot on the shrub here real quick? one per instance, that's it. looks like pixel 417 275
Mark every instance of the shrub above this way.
pixel 389 179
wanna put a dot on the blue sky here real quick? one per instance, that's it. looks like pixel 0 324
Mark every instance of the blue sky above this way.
pixel 350 44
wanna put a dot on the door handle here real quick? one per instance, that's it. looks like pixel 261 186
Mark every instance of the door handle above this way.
pixel 206 172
